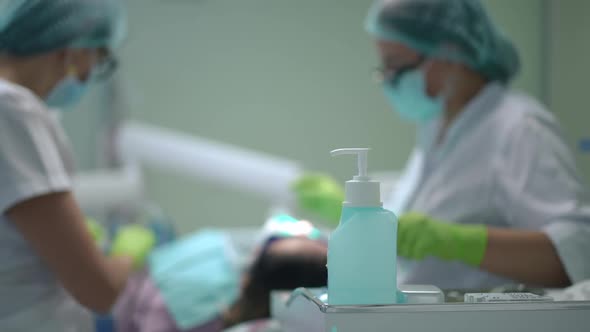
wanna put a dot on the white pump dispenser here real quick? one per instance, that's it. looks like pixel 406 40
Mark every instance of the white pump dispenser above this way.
pixel 361 191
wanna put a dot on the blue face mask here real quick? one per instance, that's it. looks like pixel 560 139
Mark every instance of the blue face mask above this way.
pixel 67 93
pixel 198 277
pixel 410 100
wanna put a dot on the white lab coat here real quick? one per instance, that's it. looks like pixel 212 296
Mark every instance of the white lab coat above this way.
pixel 35 160
pixel 503 163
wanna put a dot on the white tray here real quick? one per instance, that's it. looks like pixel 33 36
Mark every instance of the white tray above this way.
pixel 306 312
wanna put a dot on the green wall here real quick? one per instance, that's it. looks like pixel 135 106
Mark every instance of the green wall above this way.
pixel 522 22
pixel 82 126
pixel 287 77
pixel 570 70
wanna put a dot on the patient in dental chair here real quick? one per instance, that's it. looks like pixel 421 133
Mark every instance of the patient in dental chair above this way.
pixel 281 264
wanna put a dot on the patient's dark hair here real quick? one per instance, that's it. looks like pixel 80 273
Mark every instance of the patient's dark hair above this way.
pixel 284 270
pixel 302 263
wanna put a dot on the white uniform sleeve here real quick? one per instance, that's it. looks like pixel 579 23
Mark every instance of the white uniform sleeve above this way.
pixel 540 188
pixel 30 160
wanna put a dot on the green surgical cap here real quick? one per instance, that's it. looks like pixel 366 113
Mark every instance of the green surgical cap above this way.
pixel 29 27
pixel 457 30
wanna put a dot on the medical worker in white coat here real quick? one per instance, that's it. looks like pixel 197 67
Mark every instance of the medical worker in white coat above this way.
pixel 490 194
pixel 51 51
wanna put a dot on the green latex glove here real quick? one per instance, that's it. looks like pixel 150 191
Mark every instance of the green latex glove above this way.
pixel 321 195
pixel 134 241
pixel 420 236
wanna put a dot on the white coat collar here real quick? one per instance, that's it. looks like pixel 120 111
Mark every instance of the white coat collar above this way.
pixel 475 110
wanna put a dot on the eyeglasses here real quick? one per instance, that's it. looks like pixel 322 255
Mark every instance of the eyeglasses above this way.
pixel 385 73
pixel 106 66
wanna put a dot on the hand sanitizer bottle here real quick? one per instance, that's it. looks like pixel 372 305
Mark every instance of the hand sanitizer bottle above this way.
pixel 362 251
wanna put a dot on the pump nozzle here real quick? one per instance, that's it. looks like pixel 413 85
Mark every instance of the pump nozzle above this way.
pixel 362 156
pixel 360 191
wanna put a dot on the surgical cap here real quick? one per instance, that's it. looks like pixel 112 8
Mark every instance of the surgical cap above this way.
pixel 29 27
pixel 457 30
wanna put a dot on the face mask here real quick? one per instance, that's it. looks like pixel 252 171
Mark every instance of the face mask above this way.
pixel 410 100
pixel 67 93
pixel 70 90
pixel 198 277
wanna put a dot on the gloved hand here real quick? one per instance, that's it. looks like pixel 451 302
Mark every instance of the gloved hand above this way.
pixel 134 241
pixel 321 195
pixel 420 236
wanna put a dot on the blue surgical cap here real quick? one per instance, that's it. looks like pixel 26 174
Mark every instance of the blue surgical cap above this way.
pixel 29 27
pixel 457 30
